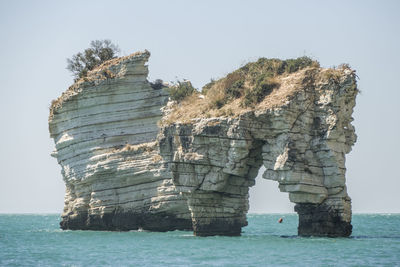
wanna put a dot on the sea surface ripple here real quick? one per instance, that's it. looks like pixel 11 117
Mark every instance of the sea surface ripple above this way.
pixel 36 240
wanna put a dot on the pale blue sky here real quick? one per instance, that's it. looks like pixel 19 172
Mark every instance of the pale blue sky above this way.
pixel 197 41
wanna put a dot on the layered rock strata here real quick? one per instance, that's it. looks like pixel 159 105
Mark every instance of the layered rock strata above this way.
pixel 105 128
pixel 123 172
pixel 302 145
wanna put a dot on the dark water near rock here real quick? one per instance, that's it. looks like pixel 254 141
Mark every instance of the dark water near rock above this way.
pixel 36 240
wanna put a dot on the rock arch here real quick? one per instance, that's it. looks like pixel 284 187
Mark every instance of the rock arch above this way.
pixel 302 145
pixel 123 171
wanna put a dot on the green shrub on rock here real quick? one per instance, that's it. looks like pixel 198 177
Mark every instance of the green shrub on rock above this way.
pixel 83 62
pixel 254 81
pixel 181 90
pixel 259 92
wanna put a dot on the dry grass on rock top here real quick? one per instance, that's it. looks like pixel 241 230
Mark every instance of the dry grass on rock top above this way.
pixel 257 86
pixel 201 106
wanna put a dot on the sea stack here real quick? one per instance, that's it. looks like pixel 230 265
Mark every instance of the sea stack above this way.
pixel 133 158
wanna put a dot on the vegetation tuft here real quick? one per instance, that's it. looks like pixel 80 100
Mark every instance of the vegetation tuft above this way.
pixel 253 82
pixel 98 52
pixel 157 84
pixel 181 90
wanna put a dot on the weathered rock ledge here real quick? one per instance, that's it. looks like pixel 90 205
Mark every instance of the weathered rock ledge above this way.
pixel 125 170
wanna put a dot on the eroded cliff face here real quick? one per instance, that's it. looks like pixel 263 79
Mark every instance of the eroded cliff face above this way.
pixel 128 166
pixel 105 128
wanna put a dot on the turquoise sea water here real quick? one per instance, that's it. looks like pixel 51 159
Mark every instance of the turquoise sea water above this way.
pixel 36 240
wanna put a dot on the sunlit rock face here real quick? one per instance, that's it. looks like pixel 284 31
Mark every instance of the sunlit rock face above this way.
pixel 105 129
pixel 302 145
pixel 123 171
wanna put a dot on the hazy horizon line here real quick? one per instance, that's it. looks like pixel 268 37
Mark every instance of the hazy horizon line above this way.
pixel 249 213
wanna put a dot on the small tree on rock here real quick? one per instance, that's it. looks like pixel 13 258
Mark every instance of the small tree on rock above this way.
pixel 99 52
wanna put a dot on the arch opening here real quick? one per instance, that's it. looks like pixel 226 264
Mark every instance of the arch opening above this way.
pixel 266 198
pixel 215 173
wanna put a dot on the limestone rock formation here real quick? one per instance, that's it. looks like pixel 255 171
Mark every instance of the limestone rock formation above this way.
pixel 104 128
pixel 128 166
